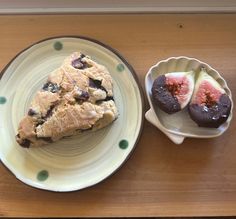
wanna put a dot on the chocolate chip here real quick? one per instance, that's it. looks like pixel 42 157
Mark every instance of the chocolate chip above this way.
pixel 109 98
pixel 25 143
pixel 49 112
pixel 106 99
pixel 49 86
pixel 79 63
pixel 44 118
pixel 82 55
pixel 40 122
pixel 96 84
pixel 47 139
pixel 81 96
pixel 65 137
pixel 84 95
pixel 31 112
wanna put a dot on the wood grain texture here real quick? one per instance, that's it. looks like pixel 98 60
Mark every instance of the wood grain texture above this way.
pixel 160 179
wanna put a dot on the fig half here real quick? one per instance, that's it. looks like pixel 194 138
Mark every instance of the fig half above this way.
pixel 210 105
pixel 173 91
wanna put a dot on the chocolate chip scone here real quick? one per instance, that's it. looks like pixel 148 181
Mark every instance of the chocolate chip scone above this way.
pixel 77 97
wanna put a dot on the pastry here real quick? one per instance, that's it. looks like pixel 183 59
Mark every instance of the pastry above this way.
pixel 78 96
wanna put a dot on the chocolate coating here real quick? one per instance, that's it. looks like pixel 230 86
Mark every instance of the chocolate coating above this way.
pixel 163 97
pixel 212 116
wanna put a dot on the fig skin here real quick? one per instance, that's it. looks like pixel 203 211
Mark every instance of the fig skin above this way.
pixel 211 116
pixel 163 98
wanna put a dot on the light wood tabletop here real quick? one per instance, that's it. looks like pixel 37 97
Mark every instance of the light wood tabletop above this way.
pixel 197 178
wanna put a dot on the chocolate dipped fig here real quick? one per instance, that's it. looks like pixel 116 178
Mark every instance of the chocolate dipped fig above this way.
pixel 173 91
pixel 210 105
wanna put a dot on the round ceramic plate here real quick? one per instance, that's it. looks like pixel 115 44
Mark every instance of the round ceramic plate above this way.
pixel 79 161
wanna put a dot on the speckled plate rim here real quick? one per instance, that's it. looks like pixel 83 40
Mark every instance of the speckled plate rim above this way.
pixel 171 133
pixel 131 69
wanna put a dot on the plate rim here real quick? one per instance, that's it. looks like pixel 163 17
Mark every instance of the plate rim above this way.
pixel 135 76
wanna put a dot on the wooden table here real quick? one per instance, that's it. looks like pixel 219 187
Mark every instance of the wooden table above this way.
pixel 160 178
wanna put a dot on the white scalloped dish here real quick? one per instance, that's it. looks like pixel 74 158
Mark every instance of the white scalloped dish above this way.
pixel 179 125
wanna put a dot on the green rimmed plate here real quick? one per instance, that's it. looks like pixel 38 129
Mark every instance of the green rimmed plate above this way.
pixel 80 161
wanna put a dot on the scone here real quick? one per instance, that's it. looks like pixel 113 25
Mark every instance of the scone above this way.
pixel 77 97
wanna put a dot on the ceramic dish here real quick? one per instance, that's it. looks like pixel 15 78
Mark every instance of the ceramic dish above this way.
pixel 76 162
pixel 179 125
